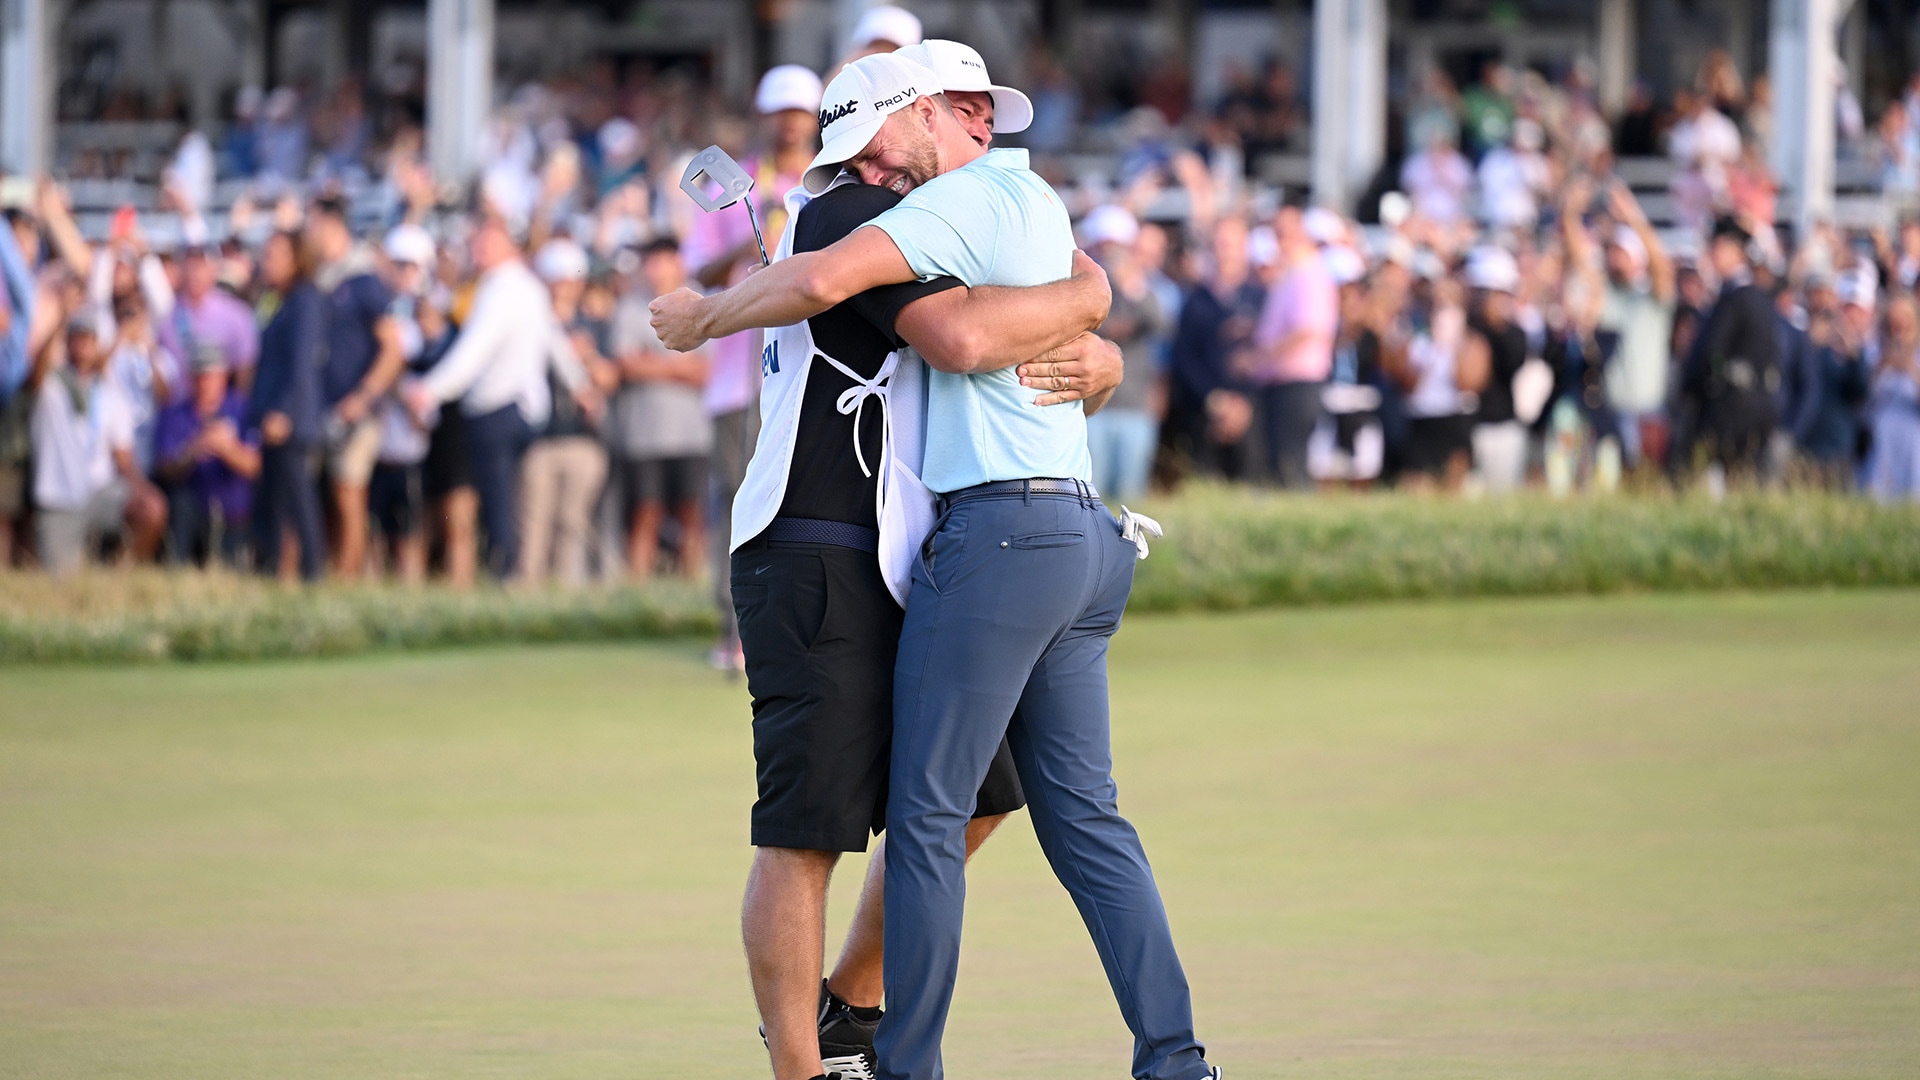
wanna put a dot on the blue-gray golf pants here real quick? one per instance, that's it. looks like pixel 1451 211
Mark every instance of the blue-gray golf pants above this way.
pixel 1007 624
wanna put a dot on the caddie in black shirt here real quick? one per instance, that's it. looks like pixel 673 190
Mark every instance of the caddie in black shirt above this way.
pixel 820 626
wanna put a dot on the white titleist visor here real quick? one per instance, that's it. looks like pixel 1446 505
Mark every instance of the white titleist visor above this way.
pixel 857 102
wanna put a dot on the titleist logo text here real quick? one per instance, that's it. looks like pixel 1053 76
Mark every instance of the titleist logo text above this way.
pixel 838 112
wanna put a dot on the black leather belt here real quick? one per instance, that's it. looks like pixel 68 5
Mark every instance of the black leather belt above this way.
pixel 798 530
pixel 1074 489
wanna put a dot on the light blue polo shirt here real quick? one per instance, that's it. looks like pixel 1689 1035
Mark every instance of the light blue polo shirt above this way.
pixel 992 221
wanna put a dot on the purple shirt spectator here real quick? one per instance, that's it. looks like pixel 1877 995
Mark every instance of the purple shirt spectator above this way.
pixel 212 480
pixel 1303 310
pixel 218 317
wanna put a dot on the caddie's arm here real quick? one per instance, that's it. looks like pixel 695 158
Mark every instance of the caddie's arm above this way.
pixel 990 327
pixel 795 288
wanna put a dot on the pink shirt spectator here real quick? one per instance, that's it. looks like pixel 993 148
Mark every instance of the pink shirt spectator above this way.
pixel 1305 302
pixel 734 382
pixel 218 317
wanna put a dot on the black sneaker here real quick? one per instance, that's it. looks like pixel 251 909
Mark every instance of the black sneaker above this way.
pixel 846 1041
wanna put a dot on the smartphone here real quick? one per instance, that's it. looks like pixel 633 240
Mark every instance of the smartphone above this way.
pixel 125 221
pixel 16 192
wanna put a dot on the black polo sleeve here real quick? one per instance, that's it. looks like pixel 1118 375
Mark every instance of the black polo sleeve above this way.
pixel 831 218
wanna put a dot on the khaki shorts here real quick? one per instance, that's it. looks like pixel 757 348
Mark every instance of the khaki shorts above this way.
pixel 67 537
pixel 351 460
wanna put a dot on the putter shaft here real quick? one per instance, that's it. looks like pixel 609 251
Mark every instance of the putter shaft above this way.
pixel 757 238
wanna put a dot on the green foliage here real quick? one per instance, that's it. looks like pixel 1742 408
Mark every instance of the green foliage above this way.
pixel 235 619
pixel 1226 550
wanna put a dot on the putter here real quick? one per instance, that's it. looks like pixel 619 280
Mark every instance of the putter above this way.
pixel 734 184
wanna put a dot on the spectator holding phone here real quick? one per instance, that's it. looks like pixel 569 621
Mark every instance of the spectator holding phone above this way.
pixel 86 484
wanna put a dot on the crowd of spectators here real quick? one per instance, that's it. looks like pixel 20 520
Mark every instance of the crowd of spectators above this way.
pixel 356 370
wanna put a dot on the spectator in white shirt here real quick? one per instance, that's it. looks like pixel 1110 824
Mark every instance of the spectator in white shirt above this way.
pixel 1438 179
pixel 1513 178
pixel 497 370
pixel 1704 144
pixel 86 483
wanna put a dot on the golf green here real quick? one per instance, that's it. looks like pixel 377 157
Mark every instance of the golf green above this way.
pixel 1621 838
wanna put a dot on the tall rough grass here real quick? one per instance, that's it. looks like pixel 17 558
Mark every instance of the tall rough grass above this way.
pixel 150 615
pixel 1225 549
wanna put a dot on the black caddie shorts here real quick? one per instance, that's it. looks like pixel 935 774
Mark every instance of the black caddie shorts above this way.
pixel 820 631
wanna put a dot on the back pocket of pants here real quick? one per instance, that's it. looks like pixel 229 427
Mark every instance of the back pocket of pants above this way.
pixel 1047 540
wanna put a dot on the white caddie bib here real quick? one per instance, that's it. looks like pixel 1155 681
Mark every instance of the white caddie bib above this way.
pixel 903 505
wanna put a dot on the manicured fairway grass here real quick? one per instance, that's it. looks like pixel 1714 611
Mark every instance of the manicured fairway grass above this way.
pixel 1630 837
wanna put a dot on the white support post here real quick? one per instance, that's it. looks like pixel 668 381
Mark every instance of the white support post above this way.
pixel 1349 98
pixel 1330 105
pixel 1366 96
pixel 26 86
pixel 459 86
pixel 1616 55
pixel 846 16
pixel 1801 62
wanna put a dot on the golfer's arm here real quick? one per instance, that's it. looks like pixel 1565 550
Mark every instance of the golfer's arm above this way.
pixel 801 286
pixel 969 331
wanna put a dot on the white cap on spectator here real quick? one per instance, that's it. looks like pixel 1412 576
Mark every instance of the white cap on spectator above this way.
pixel 960 67
pixel 897 26
pixel 561 260
pixel 1345 264
pixel 619 138
pixel 280 105
pixel 409 243
pixel 1263 246
pixel 1629 241
pixel 1395 209
pixel 788 86
pixel 1394 248
pixel 1109 224
pixel 1323 226
pixel 1493 269
pixel 1858 288
pixel 857 102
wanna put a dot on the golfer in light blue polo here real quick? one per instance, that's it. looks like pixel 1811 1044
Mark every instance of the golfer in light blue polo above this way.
pixel 1016 593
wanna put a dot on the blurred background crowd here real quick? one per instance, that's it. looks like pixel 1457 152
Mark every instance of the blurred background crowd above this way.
pixel 298 349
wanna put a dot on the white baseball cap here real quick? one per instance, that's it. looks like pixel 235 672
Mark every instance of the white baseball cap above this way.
pixel 1493 269
pixel 960 67
pixel 1323 226
pixel 1345 265
pixel 887 23
pixel 1858 288
pixel 857 102
pixel 1109 224
pixel 409 243
pixel 1263 246
pixel 619 138
pixel 561 260
pixel 1629 241
pixel 788 86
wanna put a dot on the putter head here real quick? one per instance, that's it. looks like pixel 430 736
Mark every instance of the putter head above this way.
pixel 726 182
